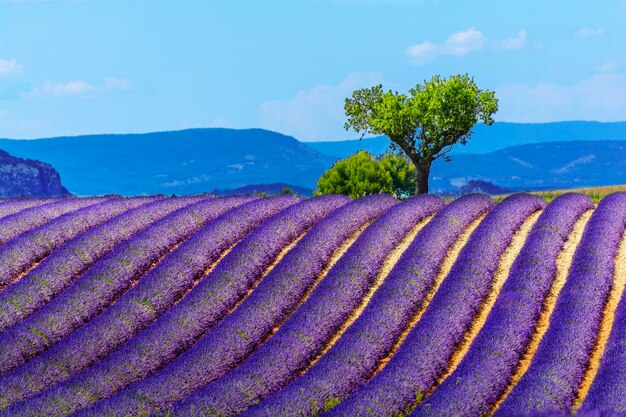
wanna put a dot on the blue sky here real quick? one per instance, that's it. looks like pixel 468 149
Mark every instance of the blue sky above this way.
pixel 70 67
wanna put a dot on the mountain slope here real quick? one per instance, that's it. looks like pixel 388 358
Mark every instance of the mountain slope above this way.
pixel 180 162
pixel 25 177
pixel 202 160
pixel 551 165
pixel 491 138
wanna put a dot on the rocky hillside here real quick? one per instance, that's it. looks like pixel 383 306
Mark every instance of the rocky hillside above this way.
pixel 182 162
pixel 26 177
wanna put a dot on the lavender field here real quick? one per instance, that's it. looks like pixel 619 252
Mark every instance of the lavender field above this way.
pixel 328 306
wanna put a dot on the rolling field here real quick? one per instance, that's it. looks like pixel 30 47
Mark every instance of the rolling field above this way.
pixel 283 306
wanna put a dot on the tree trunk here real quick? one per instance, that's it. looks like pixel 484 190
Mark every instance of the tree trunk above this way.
pixel 423 171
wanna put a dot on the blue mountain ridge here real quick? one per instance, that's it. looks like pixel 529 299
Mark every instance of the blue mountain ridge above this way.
pixel 554 155
pixel 180 162
pixel 498 136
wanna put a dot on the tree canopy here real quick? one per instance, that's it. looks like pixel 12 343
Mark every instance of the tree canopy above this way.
pixel 427 122
pixel 362 174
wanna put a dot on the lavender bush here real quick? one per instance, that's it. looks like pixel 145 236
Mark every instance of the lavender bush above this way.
pixel 92 292
pixel 488 366
pixel 424 354
pixel 13 225
pixel 236 336
pixel 192 316
pixel 312 325
pixel 30 247
pixel 9 206
pixel 357 353
pixel 136 308
pixel 558 366
pixel 66 263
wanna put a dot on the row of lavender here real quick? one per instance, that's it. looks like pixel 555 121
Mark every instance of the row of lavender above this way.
pixel 178 307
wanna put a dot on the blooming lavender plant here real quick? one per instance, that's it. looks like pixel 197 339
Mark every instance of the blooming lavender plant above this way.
pixel 25 250
pixel 192 316
pixel 358 352
pixel 181 266
pixel 92 292
pixel 488 366
pixel 424 354
pixel 581 413
pixel 551 382
pixel 303 336
pixel 13 225
pixel 237 335
pixel 68 262
pixel 9 206
pixel 608 390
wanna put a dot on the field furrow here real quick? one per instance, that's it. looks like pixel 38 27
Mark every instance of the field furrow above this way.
pixel 608 389
pixel 253 322
pixel 290 307
pixel 362 347
pixel 425 353
pixel 489 364
pixel 14 205
pixel 25 220
pixel 182 325
pixel 305 334
pixel 556 372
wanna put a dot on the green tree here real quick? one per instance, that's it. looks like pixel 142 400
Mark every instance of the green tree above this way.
pixel 286 191
pixel 402 174
pixel 426 123
pixel 362 174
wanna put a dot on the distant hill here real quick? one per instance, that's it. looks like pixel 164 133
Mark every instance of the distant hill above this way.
pixel 180 162
pixel 203 160
pixel 477 186
pixel 265 188
pixel 491 138
pixel 552 165
pixel 26 177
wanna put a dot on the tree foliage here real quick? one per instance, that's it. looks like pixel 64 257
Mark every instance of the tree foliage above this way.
pixel 362 174
pixel 427 122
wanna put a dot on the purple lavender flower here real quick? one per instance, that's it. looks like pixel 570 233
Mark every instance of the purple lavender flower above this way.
pixel 557 369
pixel 488 366
pixel 424 354
pixel 68 262
pixel 200 309
pixel 311 326
pixel 355 356
pixel 90 293
pixel 27 249
pixel 28 219
pixel 221 348
pixel 9 206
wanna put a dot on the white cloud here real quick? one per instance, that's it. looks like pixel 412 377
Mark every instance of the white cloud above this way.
pixel 520 41
pixel 601 97
pixel 587 32
pixel 80 88
pixel 612 65
pixel 461 44
pixel 10 67
pixel 458 44
pixel 315 114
